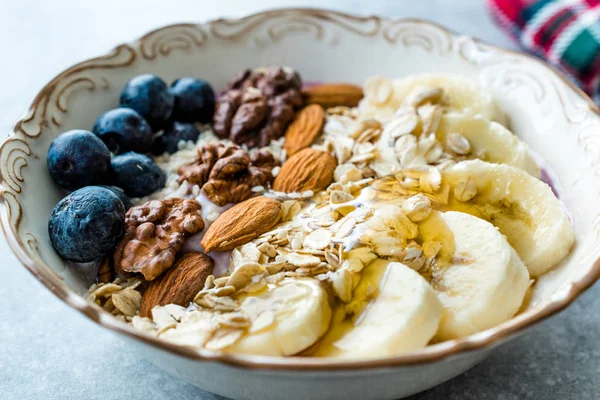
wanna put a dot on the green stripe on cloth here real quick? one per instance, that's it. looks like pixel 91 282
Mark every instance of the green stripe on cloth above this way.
pixel 581 52
pixel 531 10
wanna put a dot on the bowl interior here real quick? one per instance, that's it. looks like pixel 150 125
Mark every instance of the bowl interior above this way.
pixel 545 111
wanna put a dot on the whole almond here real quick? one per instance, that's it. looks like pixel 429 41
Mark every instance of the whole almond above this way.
pixel 309 169
pixel 305 128
pixel 106 271
pixel 179 284
pixel 242 223
pixel 333 95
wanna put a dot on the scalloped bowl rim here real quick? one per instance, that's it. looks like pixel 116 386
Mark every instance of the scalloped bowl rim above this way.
pixel 430 354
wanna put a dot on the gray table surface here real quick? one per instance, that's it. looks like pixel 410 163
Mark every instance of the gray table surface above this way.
pixel 49 351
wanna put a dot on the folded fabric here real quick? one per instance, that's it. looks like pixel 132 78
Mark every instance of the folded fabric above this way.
pixel 566 33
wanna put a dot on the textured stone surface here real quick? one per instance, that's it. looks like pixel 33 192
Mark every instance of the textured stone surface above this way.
pixel 49 351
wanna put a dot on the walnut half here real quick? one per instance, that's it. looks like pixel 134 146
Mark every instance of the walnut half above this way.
pixel 227 173
pixel 258 105
pixel 154 233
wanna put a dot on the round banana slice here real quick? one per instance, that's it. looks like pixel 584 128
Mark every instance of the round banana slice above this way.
pixel 435 230
pixel 287 318
pixel 487 140
pixel 459 93
pixel 522 207
pixel 461 136
pixel 394 310
pixel 383 97
pixel 486 282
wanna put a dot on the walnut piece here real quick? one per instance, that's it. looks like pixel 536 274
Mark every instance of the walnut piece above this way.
pixel 154 233
pixel 258 105
pixel 227 174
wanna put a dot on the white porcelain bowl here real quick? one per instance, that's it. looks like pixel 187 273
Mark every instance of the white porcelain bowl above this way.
pixel 557 120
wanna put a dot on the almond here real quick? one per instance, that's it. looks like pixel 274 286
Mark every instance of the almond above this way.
pixel 179 284
pixel 106 271
pixel 242 223
pixel 333 95
pixel 305 128
pixel 309 169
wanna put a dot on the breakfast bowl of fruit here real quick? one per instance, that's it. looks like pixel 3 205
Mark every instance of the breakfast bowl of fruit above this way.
pixel 308 202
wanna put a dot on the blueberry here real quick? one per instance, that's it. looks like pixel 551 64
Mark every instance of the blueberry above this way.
pixel 78 158
pixel 194 100
pixel 150 97
pixel 121 195
pixel 123 129
pixel 87 224
pixel 174 134
pixel 137 174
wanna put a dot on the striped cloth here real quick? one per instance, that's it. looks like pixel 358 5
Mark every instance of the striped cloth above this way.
pixel 566 33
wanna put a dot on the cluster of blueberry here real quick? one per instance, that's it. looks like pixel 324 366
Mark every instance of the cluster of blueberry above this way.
pixel 152 118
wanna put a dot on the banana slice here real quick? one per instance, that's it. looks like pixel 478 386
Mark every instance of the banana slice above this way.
pixel 486 140
pixel 522 207
pixel 486 282
pixel 394 310
pixel 435 229
pixel 383 97
pixel 460 93
pixel 287 318
pixel 489 141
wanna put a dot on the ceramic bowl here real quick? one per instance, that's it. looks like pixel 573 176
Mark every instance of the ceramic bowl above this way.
pixel 552 115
